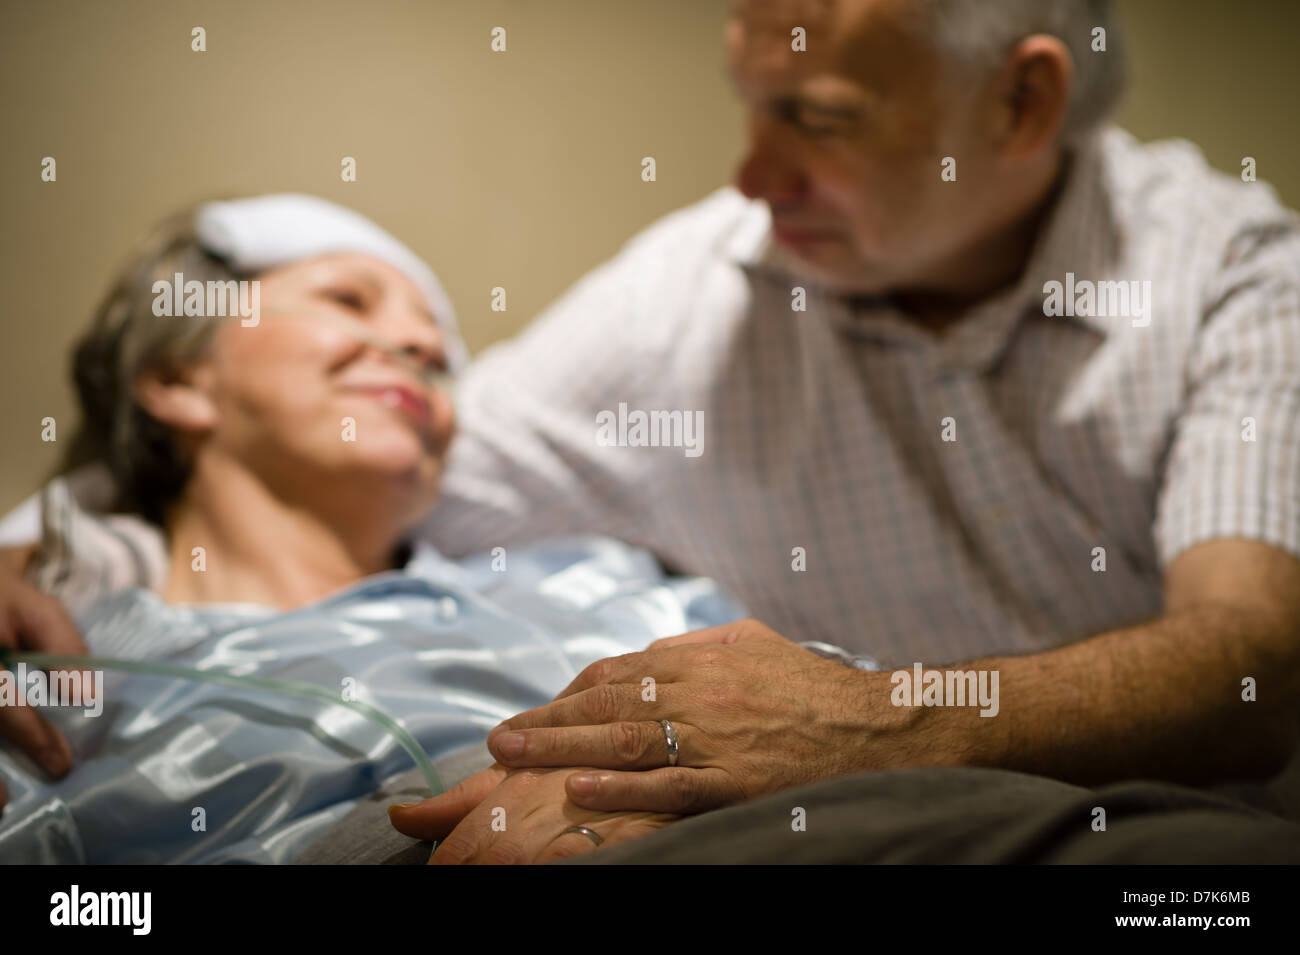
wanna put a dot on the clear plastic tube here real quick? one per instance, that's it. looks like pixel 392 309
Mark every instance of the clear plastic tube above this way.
pixel 431 377
pixel 307 691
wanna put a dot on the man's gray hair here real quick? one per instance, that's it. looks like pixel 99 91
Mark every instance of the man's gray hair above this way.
pixel 977 35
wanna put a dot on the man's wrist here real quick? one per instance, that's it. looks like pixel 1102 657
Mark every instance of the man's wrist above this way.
pixel 831 652
pixel 920 725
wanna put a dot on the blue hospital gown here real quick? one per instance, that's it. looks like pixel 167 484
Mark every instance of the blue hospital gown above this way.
pixel 448 649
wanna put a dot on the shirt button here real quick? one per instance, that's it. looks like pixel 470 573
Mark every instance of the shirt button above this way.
pixel 446 608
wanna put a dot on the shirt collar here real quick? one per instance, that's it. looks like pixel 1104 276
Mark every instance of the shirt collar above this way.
pixel 1079 237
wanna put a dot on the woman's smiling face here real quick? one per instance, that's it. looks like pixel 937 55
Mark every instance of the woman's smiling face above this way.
pixel 333 382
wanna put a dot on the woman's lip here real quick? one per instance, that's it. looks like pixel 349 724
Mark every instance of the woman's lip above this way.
pixel 412 403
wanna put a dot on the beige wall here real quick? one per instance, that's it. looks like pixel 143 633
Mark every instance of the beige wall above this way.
pixel 1224 74
pixel 520 170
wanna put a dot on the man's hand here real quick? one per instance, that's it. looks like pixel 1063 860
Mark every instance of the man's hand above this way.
pixel 753 713
pixel 31 620
pixel 522 819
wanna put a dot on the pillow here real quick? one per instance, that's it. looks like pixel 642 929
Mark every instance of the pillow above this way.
pixel 84 554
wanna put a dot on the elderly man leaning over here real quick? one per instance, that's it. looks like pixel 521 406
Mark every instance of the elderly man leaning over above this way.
pixel 981 379
pixel 977 378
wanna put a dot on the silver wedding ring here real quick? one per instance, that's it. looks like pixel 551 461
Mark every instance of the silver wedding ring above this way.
pixel 591 834
pixel 670 737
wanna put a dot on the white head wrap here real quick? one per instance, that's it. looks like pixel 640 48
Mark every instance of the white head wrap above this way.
pixel 268 231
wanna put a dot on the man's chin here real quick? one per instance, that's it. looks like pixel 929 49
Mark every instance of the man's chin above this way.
pixel 830 272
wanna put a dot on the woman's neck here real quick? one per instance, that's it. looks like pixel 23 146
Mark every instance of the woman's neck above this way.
pixel 257 548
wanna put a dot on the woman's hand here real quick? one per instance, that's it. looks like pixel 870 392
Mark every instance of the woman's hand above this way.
pixel 522 820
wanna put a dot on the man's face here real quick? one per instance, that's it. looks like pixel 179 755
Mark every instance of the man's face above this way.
pixel 847 140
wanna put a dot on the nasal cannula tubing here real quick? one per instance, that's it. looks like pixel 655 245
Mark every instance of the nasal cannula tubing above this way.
pixel 307 691
pixel 430 376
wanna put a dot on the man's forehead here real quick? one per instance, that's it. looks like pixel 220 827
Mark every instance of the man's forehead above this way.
pixel 856 41
pixel 778 14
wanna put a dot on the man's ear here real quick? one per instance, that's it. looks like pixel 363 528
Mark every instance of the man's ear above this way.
pixel 177 399
pixel 1034 89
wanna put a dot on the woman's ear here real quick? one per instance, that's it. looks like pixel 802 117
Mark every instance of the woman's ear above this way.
pixel 178 400
pixel 1034 88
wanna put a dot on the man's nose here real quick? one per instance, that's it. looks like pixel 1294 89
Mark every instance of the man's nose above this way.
pixel 769 171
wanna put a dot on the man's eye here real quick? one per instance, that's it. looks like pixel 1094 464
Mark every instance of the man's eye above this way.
pixel 815 128
pixel 821 127
pixel 819 131
pixel 347 297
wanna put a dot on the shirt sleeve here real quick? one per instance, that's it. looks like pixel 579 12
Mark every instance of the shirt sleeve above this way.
pixel 22 525
pixel 1233 469
pixel 525 463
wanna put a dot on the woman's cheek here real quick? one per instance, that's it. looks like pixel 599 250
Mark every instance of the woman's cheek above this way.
pixel 444 421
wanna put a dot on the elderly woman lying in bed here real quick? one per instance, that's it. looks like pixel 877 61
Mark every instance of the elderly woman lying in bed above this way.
pixel 288 459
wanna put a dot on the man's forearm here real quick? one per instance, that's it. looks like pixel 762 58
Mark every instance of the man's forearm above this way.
pixel 1163 699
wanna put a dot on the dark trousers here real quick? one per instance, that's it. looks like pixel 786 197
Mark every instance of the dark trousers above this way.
pixel 970 816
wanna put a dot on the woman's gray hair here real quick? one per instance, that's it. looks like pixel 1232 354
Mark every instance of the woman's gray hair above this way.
pixel 126 338
pixel 976 36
